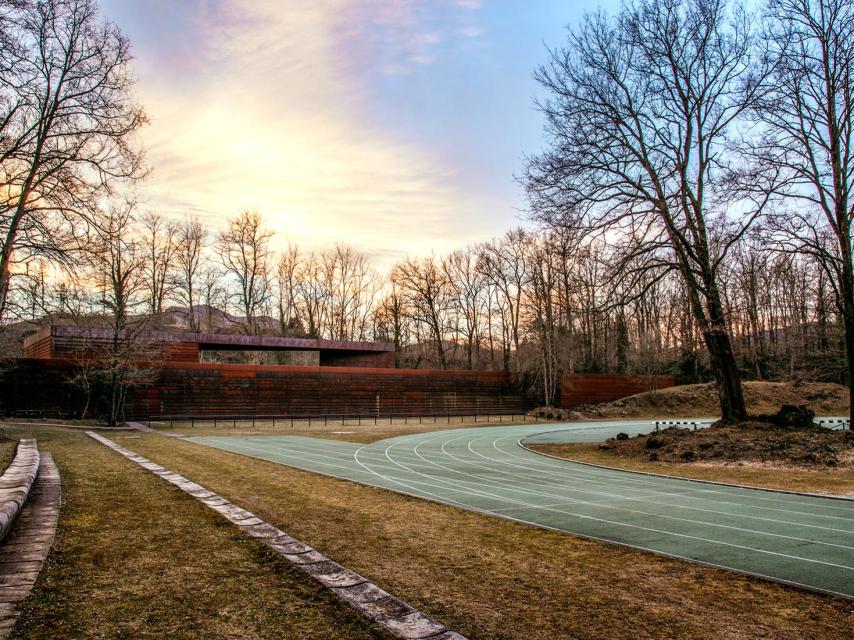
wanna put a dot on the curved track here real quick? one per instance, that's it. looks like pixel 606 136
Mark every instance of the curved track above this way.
pixel 801 540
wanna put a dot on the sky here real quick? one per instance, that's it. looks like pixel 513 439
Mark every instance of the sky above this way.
pixel 393 125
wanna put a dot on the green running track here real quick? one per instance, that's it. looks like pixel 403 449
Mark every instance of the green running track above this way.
pixel 800 540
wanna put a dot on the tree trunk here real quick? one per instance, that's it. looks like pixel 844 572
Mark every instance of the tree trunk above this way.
pixel 724 364
pixel 847 293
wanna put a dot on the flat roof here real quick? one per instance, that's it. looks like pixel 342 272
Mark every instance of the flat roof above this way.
pixel 219 341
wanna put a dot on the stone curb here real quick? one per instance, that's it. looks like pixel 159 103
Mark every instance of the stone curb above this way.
pixel 138 426
pixel 16 482
pixel 23 553
pixel 395 616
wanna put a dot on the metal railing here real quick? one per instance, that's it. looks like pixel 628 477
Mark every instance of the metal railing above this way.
pixel 360 418
pixel 830 422
pixel 824 422
pixel 663 424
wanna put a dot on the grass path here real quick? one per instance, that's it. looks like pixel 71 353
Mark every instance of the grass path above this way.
pixel 135 558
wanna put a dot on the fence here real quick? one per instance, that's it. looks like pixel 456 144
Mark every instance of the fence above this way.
pixel 361 418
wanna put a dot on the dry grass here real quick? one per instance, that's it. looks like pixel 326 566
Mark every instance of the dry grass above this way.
pixel 757 474
pixel 700 400
pixel 496 579
pixel 136 558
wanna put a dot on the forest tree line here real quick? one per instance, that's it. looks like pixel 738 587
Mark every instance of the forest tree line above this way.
pixel 542 302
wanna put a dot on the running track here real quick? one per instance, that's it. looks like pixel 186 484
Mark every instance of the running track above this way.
pixel 800 540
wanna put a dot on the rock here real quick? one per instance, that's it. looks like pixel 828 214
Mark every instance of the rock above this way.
pixel 622 436
pixel 794 417
pixel 654 443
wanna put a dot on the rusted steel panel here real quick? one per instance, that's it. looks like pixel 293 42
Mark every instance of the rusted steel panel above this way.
pixel 212 389
pixel 593 388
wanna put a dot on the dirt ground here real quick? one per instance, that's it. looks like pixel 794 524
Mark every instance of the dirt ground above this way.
pixel 700 400
pixel 817 448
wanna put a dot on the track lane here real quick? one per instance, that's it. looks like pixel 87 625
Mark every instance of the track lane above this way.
pixel 802 540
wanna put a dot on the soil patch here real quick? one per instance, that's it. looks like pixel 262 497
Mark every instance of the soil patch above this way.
pixel 811 447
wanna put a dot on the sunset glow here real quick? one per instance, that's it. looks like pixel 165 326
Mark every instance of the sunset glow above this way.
pixel 394 126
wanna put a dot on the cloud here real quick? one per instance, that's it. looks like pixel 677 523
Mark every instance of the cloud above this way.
pixel 269 105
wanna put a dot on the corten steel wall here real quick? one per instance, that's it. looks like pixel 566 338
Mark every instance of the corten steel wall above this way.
pixel 215 389
pixel 74 343
pixel 380 360
pixel 40 386
pixel 592 388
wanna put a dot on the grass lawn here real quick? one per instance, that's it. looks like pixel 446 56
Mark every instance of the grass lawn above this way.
pixel 833 482
pixel 137 558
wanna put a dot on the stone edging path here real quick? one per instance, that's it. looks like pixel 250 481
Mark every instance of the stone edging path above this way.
pixel 23 552
pixel 15 483
pixel 394 615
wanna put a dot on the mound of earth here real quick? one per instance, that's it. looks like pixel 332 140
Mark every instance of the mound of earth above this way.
pixel 701 400
pixel 752 441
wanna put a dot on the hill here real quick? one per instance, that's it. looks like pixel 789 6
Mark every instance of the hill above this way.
pixel 701 400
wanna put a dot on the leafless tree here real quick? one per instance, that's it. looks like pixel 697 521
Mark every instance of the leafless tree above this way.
pixel 351 287
pixel 118 264
pixel 286 284
pixel 244 251
pixel 808 139
pixel 312 295
pixel 213 294
pixel 467 284
pixel 639 110
pixel 391 321
pixel 159 245
pixel 67 126
pixel 502 262
pixel 426 288
pixel 189 246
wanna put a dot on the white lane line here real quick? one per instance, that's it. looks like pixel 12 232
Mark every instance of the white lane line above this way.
pixel 669 505
pixel 465 490
pixel 615 474
pixel 607 505
pixel 500 498
pixel 442 500
pixel 676 556
pixel 703 492
pixel 314 454
pixel 554 466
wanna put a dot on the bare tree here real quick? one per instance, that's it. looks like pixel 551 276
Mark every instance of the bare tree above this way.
pixel 118 265
pixel 502 262
pixel 808 141
pixel 426 288
pixel 312 295
pixel 244 251
pixel 351 287
pixel 213 294
pixel 638 116
pixel 467 290
pixel 68 126
pixel 189 246
pixel 390 321
pixel 158 239
pixel 286 284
